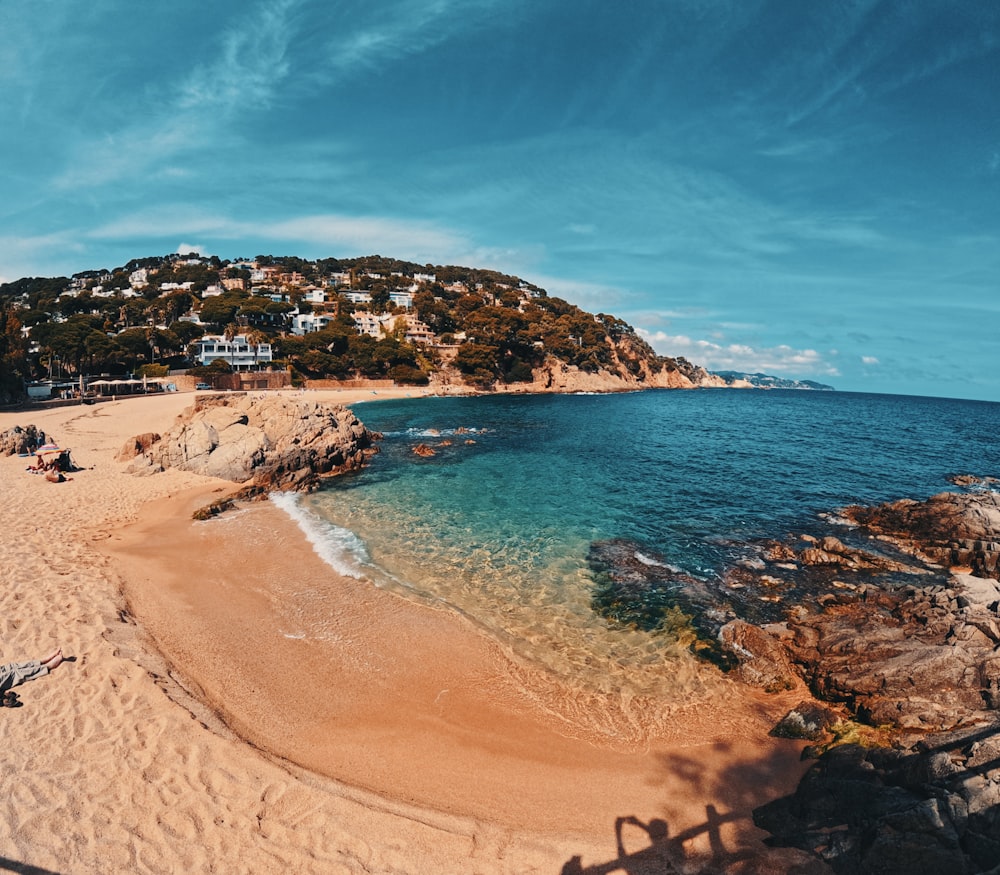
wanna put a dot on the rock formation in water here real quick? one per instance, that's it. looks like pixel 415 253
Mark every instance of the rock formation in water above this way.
pixel 950 529
pixel 267 442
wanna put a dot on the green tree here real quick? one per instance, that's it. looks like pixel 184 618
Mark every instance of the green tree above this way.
pixel 255 337
pixel 220 310
pixel 478 363
pixel 186 332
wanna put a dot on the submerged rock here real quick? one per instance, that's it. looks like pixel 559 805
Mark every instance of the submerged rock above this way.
pixel 269 442
pixel 636 587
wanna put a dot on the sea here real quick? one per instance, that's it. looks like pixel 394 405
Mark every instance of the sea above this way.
pixel 501 523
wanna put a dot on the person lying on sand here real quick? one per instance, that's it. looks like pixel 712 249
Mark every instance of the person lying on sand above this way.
pixel 39 464
pixel 14 673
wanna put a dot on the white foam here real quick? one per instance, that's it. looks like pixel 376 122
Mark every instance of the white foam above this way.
pixel 648 560
pixel 458 431
pixel 339 548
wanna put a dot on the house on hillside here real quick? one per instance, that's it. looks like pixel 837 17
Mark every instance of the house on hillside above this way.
pixel 402 298
pixel 305 323
pixel 415 331
pixel 238 352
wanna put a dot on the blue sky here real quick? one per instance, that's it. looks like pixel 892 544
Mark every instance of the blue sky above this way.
pixel 809 189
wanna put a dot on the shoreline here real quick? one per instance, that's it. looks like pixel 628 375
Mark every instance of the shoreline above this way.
pixel 407 716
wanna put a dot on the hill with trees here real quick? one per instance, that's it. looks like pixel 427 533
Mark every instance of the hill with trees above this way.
pixel 332 318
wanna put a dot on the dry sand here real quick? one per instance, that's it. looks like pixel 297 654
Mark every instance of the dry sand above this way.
pixel 193 730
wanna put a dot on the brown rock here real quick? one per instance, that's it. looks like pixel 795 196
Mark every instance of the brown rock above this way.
pixel 949 528
pixel 271 440
pixel 21 440
pixel 136 446
pixel 763 662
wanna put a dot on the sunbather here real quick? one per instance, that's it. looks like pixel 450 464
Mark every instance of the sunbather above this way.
pixel 14 673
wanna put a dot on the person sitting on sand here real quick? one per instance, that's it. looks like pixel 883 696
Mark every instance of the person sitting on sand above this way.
pixel 14 673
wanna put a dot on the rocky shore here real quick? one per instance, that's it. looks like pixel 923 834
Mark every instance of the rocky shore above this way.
pixel 903 645
pixel 890 617
pixel 264 442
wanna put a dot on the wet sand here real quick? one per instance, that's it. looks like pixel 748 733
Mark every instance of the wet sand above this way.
pixel 403 741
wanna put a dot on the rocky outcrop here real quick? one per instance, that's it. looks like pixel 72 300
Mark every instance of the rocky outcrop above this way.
pixel 269 442
pixel 136 446
pixel 761 659
pixel 20 440
pixel 557 376
pixel 917 657
pixel 929 811
pixel 882 629
pixel 949 529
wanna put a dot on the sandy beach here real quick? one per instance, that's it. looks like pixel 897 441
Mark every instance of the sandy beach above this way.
pixel 195 729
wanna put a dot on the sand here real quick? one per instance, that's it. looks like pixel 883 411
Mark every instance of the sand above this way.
pixel 194 728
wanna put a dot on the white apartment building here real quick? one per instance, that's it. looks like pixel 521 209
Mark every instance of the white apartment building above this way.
pixel 237 352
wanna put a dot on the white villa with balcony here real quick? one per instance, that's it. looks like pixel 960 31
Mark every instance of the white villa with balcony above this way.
pixel 238 352
pixel 304 323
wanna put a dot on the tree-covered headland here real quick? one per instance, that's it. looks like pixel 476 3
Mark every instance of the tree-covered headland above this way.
pixel 367 317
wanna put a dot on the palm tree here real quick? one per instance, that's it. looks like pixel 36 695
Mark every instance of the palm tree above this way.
pixel 255 337
pixel 230 332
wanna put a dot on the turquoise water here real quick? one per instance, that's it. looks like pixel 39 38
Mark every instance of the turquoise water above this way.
pixel 498 524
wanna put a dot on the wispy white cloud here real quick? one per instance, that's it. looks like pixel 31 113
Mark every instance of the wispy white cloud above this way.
pixel 781 359
pixel 25 255
pixel 869 360
pixel 250 63
pixel 405 28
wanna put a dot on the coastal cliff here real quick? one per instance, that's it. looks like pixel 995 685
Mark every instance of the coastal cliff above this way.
pixel 554 375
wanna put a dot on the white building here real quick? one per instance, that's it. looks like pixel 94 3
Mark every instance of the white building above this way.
pixel 243 356
pixel 369 323
pixel 304 323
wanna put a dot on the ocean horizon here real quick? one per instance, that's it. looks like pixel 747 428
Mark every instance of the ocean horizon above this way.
pixel 502 522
